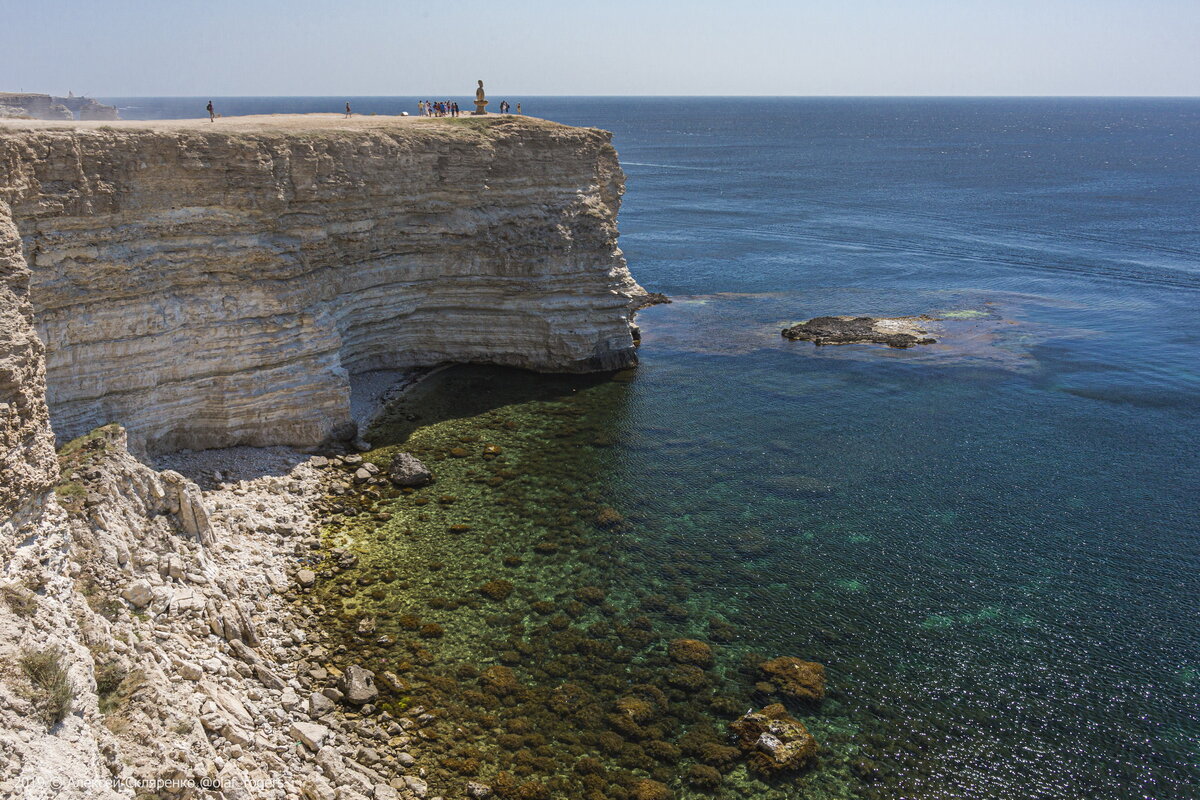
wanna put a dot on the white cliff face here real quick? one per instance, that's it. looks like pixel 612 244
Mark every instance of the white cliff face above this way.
pixel 27 463
pixel 216 286
pixel 208 286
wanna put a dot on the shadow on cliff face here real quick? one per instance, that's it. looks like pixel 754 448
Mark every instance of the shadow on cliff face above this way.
pixel 458 392
pixel 470 390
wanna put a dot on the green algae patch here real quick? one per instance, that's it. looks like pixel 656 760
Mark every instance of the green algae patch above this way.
pixel 510 599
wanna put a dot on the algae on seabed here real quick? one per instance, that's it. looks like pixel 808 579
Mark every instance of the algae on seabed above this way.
pixel 509 600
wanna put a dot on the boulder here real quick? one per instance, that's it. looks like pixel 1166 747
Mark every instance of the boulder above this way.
pixel 772 741
pixel 406 470
pixel 190 671
pixel 311 734
pixel 139 594
pixel 186 502
pixel 319 705
pixel 358 685
pixel 268 678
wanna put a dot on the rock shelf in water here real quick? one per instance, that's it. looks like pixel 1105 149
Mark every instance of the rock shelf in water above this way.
pixel 893 331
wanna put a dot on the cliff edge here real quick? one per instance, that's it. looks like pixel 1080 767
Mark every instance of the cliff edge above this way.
pixel 209 285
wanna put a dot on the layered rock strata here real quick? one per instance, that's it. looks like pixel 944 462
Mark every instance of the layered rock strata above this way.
pixel 209 286
pixel 219 286
pixel 27 463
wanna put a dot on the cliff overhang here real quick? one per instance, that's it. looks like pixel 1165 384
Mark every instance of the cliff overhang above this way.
pixel 216 284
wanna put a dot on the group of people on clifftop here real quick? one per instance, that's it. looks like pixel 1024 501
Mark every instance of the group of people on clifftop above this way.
pixel 441 109
pixel 450 108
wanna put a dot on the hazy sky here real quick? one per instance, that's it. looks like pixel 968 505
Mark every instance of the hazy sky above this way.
pixel 618 47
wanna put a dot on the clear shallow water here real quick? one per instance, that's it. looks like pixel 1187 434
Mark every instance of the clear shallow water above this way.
pixel 991 543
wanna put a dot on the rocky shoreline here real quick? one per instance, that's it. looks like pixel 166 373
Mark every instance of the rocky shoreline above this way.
pixel 175 616
pixel 189 616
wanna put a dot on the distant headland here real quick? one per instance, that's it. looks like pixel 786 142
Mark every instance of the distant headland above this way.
pixel 44 106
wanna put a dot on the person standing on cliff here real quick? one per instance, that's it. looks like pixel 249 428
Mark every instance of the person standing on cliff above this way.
pixel 348 114
pixel 518 108
pixel 211 115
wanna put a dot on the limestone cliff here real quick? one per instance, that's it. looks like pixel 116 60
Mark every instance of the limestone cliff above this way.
pixel 211 285
pixel 27 462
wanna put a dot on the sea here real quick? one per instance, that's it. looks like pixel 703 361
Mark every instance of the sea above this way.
pixel 991 543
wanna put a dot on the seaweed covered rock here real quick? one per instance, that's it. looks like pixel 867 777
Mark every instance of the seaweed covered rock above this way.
pixel 638 709
pixel 795 678
pixel 499 680
pixel 407 470
pixel 647 789
pixel 892 331
pixel 690 651
pixel 496 590
pixel 703 777
pixel 687 678
pixel 773 741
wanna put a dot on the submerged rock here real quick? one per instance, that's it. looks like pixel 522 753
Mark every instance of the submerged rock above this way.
pixel 496 590
pixel 703 777
pixel 892 331
pixel 773 741
pixel 795 678
pixel 647 789
pixel 690 651
pixel 407 470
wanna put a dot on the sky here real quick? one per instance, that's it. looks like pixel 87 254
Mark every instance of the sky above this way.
pixel 120 48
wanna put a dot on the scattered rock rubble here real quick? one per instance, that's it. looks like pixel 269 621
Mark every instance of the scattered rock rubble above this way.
pixel 178 615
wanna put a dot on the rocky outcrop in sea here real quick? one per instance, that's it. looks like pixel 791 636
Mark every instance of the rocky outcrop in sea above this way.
pixel 898 332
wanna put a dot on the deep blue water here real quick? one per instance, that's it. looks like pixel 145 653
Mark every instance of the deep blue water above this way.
pixel 1002 576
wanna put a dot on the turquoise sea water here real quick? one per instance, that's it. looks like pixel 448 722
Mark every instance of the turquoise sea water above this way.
pixel 991 543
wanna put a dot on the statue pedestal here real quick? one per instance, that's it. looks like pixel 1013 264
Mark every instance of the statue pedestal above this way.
pixel 480 108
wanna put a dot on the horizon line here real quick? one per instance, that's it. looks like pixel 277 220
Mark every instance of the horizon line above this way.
pixel 705 96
